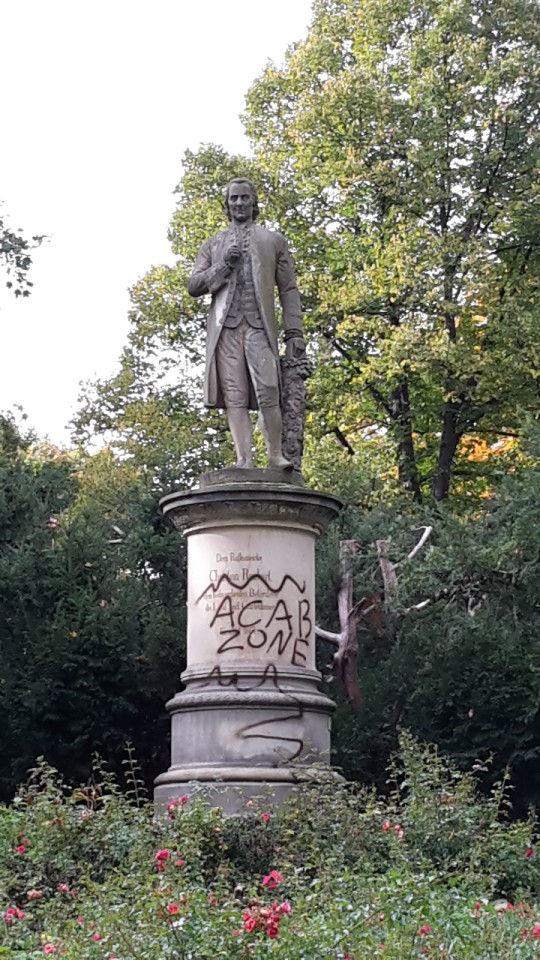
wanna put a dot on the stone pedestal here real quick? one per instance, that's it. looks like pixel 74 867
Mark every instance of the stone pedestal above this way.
pixel 251 716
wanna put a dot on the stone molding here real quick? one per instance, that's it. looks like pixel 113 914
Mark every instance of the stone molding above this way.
pixel 249 504
pixel 209 699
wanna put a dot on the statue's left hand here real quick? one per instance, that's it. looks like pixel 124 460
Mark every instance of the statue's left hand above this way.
pixel 295 348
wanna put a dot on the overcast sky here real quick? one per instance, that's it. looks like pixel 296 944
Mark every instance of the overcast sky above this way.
pixel 99 102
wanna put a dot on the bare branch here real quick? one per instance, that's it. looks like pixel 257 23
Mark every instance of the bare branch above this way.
pixel 345 658
pixel 334 638
pixel 422 541
pixel 388 570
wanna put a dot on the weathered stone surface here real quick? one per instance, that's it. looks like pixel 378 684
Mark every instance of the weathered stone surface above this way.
pixel 266 502
pixel 237 475
pixel 240 268
pixel 251 711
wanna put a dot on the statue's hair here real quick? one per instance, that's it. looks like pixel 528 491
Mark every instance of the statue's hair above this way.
pixel 253 195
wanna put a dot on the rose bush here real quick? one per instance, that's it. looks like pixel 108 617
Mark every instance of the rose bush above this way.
pixel 430 870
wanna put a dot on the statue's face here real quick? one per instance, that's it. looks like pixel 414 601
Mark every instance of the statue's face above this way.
pixel 240 202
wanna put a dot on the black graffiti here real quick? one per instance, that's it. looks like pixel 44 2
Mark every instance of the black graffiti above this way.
pixel 244 735
pixel 225 578
pixel 222 679
pixel 269 675
pixel 279 630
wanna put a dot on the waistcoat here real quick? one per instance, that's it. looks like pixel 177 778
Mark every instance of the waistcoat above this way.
pixel 244 302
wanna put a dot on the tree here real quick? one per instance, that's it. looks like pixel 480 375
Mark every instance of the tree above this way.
pixel 451 652
pixel 396 148
pixel 402 141
pixel 16 259
pixel 92 627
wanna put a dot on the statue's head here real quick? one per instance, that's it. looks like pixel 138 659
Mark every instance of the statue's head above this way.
pixel 240 188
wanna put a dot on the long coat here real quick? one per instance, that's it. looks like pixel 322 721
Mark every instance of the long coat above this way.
pixel 271 267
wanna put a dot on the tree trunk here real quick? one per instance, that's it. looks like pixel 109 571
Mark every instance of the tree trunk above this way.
pixel 450 438
pixel 402 433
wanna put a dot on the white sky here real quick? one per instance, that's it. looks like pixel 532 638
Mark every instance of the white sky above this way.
pixel 99 102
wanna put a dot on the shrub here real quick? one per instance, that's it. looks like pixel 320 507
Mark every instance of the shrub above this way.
pixel 335 872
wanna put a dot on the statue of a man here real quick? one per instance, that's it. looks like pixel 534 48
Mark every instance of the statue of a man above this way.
pixel 240 267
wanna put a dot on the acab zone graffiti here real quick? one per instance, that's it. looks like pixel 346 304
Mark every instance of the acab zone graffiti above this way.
pixel 254 615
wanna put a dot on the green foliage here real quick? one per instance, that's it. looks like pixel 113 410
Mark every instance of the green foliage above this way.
pixel 402 141
pixel 92 626
pixel 333 873
pixel 453 655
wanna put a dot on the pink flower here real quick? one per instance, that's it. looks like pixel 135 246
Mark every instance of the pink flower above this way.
pixel 80 919
pixel 21 848
pixel 52 524
pixel 180 802
pixel 272 880
pixel 265 817
pixel 249 924
pixel 172 908
pixel 272 929
pixel 535 932
pixel 162 855
pixel 179 862
pixel 386 826
pixel 97 937
pixel 529 852
pixel 63 888
pixel 423 931
pixel 161 858
pixel 284 908
pixel 35 895
pixel 49 948
pixel 102 603
pixel 235 933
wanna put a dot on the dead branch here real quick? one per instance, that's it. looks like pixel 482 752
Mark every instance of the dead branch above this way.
pixel 333 638
pixel 388 570
pixel 422 541
pixel 345 658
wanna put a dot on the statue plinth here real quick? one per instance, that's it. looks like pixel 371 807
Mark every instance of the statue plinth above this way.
pixel 251 716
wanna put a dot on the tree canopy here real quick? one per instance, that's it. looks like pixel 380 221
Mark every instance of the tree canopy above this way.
pixel 397 148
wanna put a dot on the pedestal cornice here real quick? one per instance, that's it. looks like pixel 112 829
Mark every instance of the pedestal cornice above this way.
pixel 250 503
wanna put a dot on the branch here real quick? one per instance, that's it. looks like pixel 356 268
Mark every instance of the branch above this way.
pixel 343 441
pixel 422 541
pixel 388 570
pixel 334 638
pixel 345 658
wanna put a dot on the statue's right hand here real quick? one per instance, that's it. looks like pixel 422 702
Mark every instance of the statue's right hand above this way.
pixel 232 256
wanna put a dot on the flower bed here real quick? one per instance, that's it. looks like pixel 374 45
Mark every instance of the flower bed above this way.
pixel 431 870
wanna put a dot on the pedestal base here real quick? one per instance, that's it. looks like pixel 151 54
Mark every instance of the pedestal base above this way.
pixel 251 721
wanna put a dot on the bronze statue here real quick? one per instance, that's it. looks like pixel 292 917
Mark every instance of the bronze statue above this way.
pixel 240 267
